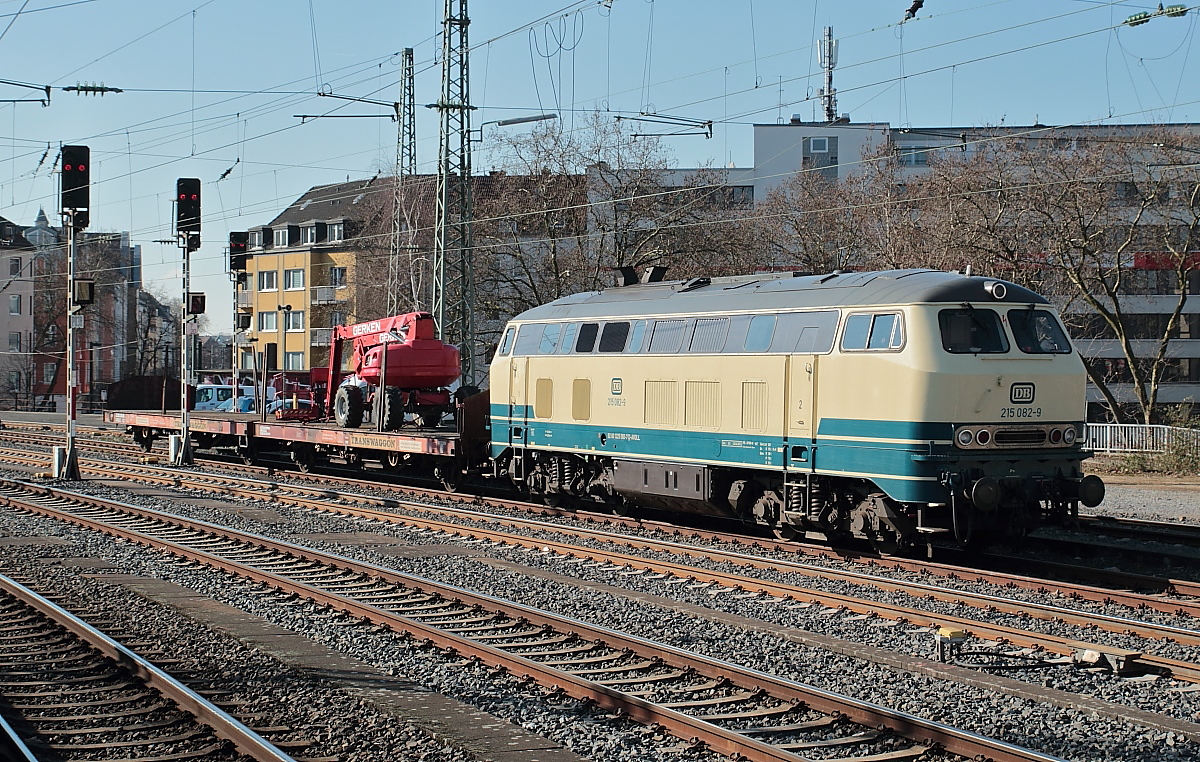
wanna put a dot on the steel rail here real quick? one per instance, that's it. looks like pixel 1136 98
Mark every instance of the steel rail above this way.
pixel 954 740
pixel 1052 643
pixel 270 490
pixel 1046 612
pixel 222 724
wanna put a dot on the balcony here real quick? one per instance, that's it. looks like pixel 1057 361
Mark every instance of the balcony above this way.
pixel 245 299
pixel 320 337
pixel 325 295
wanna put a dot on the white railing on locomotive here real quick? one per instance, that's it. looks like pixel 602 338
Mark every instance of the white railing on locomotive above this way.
pixel 1136 437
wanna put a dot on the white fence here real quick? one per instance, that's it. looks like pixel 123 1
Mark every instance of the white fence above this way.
pixel 1134 437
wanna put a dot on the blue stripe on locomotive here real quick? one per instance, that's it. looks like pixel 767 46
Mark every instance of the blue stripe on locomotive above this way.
pixel 889 464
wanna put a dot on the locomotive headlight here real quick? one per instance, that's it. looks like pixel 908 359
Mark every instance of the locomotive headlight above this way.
pixel 1069 435
pixel 1056 436
pixel 983 437
pixel 964 437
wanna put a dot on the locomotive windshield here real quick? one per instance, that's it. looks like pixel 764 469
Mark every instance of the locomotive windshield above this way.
pixel 972 331
pixel 1037 332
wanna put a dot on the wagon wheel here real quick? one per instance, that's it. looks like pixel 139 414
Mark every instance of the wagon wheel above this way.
pixel 449 477
pixel 348 407
pixel 143 438
pixel 303 456
pixel 393 461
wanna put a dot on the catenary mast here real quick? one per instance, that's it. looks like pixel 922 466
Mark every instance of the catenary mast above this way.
pixel 454 279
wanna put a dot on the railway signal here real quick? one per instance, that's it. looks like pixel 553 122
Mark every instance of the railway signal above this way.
pixel 187 210
pixel 76 183
pixel 239 245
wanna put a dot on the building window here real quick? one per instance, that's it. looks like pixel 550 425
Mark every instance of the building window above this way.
pixel 336 319
pixel 14 341
pixel 48 372
pixel 293 320
pixel 255 241
pixel 333 232
pixel 308 234
pixel 14 304
pixel 818 145
pixel 914 156
pixel 281 237
pixel 14 265
pixel 337 277
pixel 266 321
pixel 268 280
pixel 14 380
pixel 293 361
pixel 247 358
pixel 293 279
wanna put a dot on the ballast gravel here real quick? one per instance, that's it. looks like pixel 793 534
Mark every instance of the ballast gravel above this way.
pixel 1043 727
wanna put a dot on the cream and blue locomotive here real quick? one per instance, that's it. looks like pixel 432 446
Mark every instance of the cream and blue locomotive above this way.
pixel 889 406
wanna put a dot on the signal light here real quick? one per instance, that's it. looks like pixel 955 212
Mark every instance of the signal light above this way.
pixel 239 245
pixel 76 181
pixel 187 205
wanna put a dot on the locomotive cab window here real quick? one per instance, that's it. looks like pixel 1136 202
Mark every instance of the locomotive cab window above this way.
pixel 528 339
pixel 568 339
pixel 881 332
pixel 1037 332
pixel 549 342
pixel 972 331
pixel 506 342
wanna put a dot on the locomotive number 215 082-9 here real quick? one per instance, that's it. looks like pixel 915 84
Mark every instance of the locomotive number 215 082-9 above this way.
pixel 1020 412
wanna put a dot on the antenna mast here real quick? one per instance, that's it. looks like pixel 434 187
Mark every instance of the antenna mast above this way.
pixel 827 54
pixel 454 278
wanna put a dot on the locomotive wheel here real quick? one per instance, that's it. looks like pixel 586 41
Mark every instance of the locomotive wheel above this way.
pixel 428 417
pixel 348 407
pixel 785 532
pixel 886 543
pixel 393 408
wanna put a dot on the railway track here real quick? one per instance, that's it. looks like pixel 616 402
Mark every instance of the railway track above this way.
pixel 730 709
pixel 70 692
pixel 509 531
pixel 1097 584
pixel 619 551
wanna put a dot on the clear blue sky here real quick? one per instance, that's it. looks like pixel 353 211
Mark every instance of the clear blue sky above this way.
pixel 214 85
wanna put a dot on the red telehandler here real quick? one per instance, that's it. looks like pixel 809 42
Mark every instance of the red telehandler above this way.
pixel 399 364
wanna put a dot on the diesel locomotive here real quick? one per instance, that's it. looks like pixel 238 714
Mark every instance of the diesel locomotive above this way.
pixel 892 406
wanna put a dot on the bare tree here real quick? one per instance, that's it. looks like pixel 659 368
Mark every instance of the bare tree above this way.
pixel 1102 225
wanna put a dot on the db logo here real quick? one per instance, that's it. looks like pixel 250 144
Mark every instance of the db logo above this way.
pixel 615 388
pixel 1021 393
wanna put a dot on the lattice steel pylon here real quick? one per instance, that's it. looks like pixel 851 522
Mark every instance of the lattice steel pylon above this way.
pixel 453 272
pixel 404 271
